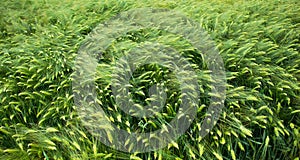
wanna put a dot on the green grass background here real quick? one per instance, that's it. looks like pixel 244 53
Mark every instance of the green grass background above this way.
pixel 258 41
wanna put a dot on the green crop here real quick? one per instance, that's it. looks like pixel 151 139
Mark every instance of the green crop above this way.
pixel 258 41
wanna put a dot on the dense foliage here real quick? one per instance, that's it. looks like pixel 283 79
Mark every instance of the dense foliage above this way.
pixel 258 41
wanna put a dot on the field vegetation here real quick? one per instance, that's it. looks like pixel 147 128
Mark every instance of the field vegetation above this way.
pixel 258 41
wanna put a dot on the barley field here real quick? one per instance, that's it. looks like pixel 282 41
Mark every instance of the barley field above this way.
pixel 259 42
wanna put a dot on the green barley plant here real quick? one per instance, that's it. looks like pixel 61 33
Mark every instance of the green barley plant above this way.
pixel 258 41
